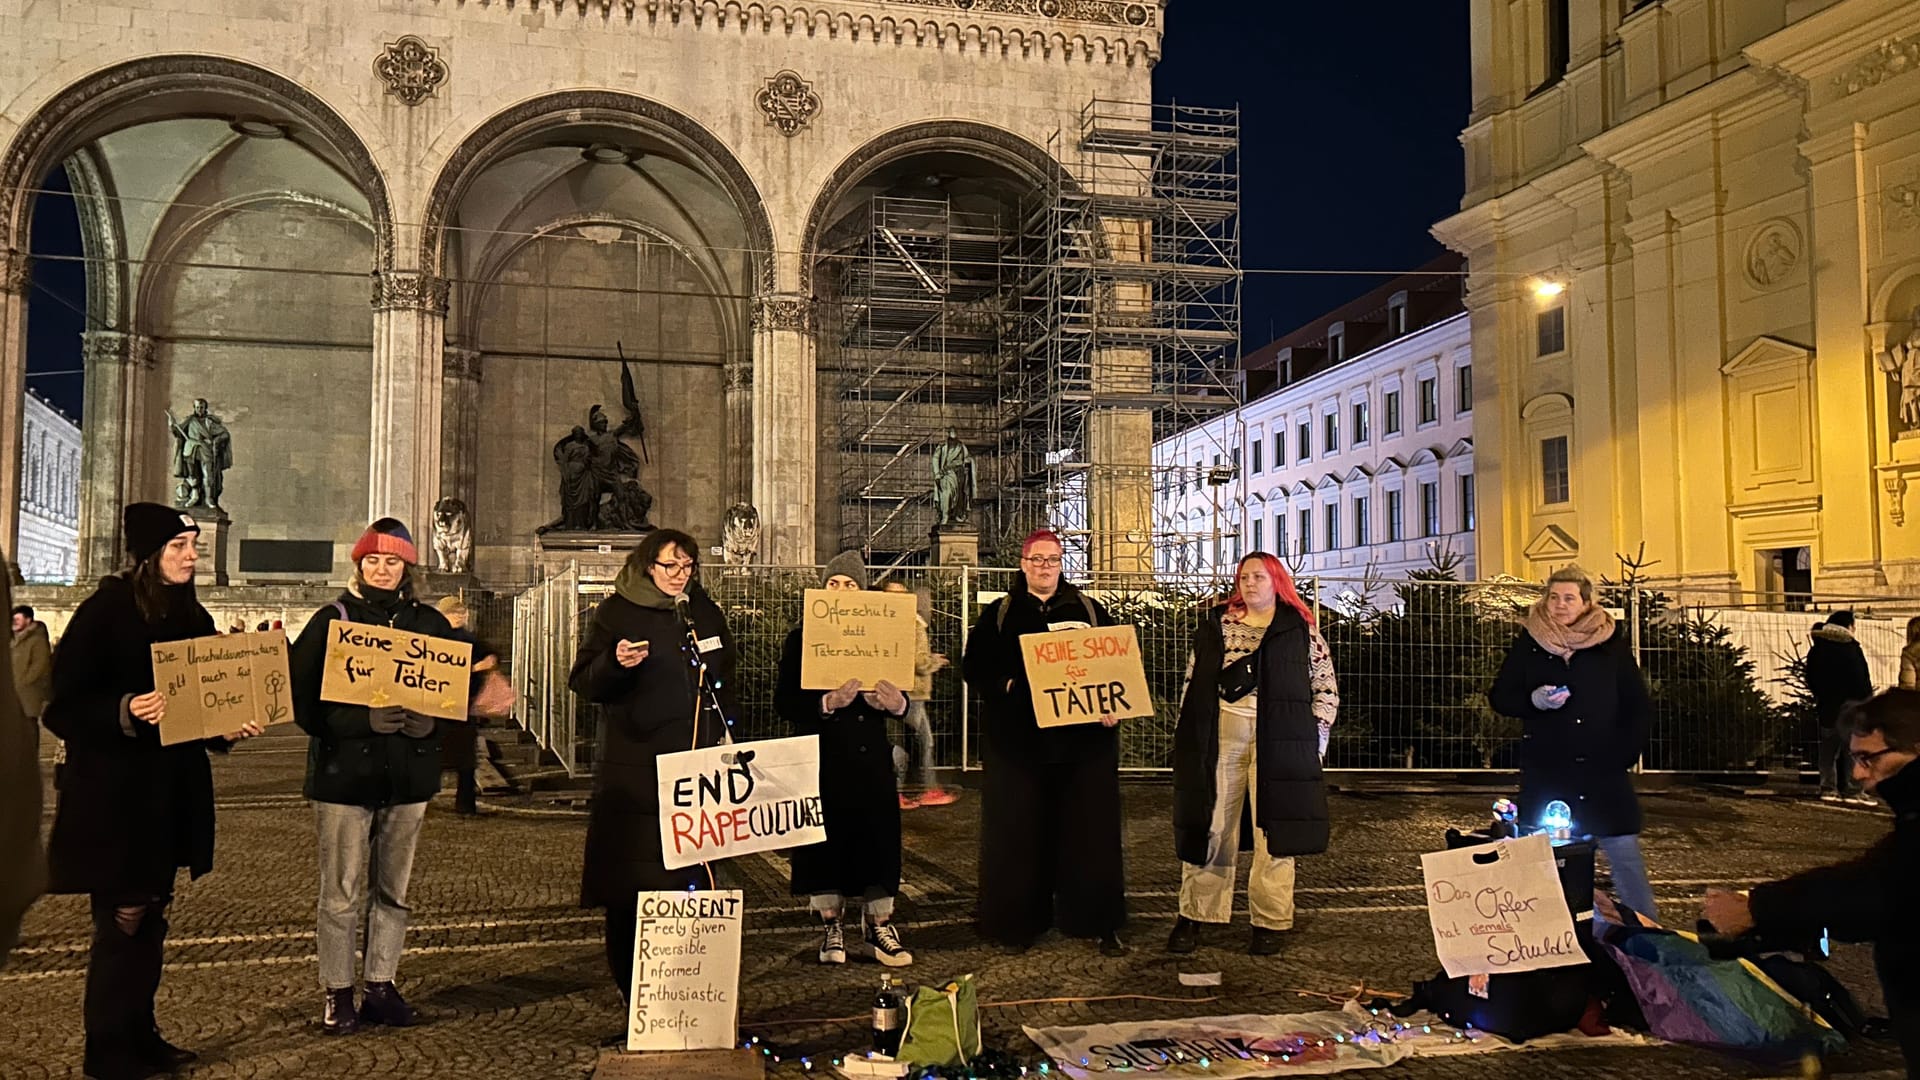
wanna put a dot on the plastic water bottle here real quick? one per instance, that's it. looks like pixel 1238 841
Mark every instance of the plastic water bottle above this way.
pixel 887 1010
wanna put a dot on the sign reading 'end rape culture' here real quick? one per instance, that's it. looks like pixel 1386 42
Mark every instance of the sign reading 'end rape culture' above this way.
pixel 738 799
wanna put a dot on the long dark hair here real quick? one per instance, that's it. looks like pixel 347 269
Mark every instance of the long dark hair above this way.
pixel 151 592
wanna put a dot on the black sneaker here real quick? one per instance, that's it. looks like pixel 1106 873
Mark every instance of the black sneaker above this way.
pixel 161 1053
pixel 1111 945
pixel 1265 942
pixel 887 947
pixel 1185 937
pixel 833 944
pixel 382 1004
pixel 340 1017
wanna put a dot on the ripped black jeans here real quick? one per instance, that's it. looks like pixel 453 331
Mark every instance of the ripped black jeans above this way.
pixel 123 969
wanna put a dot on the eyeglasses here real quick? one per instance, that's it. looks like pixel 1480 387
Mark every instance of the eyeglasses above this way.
pixel 1866 760
pixel 675 569
pixel 1042 560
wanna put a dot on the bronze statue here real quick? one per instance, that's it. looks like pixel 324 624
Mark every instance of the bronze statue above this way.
pixel 202 452
pixel 600 474
pixel 953 482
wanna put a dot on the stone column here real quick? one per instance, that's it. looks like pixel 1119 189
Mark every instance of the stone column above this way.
pixel 459 424
pixel 738 374
pixel 403 471
pixel 117 370
pixel 1119 449
pixel 785 427
pixel 13 390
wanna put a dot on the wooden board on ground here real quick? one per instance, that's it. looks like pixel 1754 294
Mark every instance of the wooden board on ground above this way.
pixel 216 685
pixel 857 635
pixel 1078 676
pixel 681 1065
pixel 378 666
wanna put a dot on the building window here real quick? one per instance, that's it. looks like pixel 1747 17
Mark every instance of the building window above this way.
pixel 1259 526
pixel 1397 317
pixel 1279 450
pixel 1337 346
pixel 1236 462
pixel 1256 446
pixel 1303 442
pixel 1463 390
pixel 1390 405
pixel 1361 432
pixel 1362 535
pixel 1466 502
pixel 1554 482
pixel 1430 508
pixel 1280 534
pixel 1552 327
pixel 1330 515
pixel 1393 517
pixel 1429 401
pixel 1306 531
pixel 1330 430
pixel 1558 43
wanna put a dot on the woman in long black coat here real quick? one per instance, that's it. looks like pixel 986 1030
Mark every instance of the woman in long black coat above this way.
pixel 131 811
pixel 637 663
pixel 1260 701
pixel 1571 681
pixel 858 865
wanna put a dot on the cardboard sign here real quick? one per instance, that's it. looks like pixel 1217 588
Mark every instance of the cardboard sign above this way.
pixel 857 635
pixel 738 799
pixel 215 685
pixel 686 971
pixel 378 666
pixel 1498 908
pixel 1078 676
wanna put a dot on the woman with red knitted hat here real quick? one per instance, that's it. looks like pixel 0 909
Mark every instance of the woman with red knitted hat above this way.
pixel 370 772
pixel 1050 850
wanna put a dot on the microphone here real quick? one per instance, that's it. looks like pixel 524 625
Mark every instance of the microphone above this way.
pixel 680 604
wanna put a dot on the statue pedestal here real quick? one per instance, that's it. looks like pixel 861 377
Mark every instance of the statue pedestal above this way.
pixel 600 555
pixel 956 545
pixel 211 569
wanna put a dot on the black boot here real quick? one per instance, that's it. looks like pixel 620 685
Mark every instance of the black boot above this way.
pixel 1265 942
pixel 337 1015
pixel 381 1003
pixel 1185 937
pixel 1111 945
pixel 119 995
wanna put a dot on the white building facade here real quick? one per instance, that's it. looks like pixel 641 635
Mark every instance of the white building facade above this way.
pixel 49 494
pixel 1366 464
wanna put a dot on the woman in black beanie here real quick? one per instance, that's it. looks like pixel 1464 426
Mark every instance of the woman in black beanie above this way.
pixel 131 811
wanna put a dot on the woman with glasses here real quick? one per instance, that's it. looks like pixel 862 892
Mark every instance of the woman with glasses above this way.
pixel 642 660
pixel 1050 850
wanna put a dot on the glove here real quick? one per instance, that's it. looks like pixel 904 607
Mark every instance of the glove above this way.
pixel 416 725
pixel 386 719
pixel 1549 697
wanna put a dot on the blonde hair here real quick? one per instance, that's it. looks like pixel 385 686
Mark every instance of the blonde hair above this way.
pixel 1572 575
pixel 452 606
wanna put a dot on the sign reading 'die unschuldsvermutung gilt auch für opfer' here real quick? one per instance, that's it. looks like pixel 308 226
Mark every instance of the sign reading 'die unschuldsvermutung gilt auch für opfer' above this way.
pixel 215 686
pixel 379 666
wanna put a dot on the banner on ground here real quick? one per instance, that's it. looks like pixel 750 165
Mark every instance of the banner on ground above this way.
pixel 378 666
pixel 740 798
pixel 1219 1046
pixel 216 685
pixel 857 635
pixel 686 971
pixel 1498 908
pixel 1078 676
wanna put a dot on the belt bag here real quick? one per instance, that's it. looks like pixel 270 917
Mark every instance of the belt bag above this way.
pixel 1239 678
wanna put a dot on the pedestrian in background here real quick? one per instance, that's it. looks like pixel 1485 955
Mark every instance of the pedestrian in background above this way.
pixel 1571 681
pixel 32 655
pixel 638 663
pixel 1255 716
pixel 1050 822
pixel 1837 676
pixel 460 744
pixel 1910 656
pixel 370 773
pixel 131 812
pixel 916 753
pixel 23 868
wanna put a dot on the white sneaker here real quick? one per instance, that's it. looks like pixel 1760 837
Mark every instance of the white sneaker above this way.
pixel 1829 796
pixel 887 946
pixel 833 944
pixel 1863 800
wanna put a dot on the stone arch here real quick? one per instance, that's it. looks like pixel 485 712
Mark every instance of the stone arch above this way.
pixel 73 115
pixel 991 143
pixel 504 128
pixel 1901 286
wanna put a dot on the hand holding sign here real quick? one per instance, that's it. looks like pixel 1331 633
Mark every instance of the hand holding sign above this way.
pixel 1086 675
pixel 150 706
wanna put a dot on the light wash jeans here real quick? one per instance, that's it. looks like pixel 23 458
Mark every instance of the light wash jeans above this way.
pixel 877 906
pixel 1206 892
pixel 1629 872
pixel 918 735
pixel 352 838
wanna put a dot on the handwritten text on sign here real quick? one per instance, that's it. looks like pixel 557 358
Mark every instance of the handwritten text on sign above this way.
pixel 856 635
pixel 1498 908
pixel 378 666
pixel 214 686
pixel 686 971
pixel 735 800
pixel 1079 676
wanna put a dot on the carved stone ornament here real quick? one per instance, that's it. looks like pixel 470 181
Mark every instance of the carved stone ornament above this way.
pixel 783 313
pixel 1895 486
pixel 1772 254
pixel 114 347
pixel 458 363
pixel 1903 207
pixel 13 271
pixel 1895 56
pixel 1108 12
pixel 411 68
pixel 789 102
pixel 738 376
pixel 406 290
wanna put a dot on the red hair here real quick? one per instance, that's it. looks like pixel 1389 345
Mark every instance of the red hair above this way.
pixel 1040 536
pixel 1282 587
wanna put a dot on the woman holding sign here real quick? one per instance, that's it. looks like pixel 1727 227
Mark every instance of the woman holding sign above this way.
pixel 1050 849
pixel 859 865
pixel 641 661
pixel 131 811
pixel 1259 704
pixel 1571 681
pixel 370 772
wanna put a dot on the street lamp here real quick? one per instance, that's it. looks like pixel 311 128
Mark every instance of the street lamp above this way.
pixel 1218 477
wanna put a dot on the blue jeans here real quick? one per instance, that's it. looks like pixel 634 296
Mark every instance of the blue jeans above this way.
pixel 919 748
pixel 354 840
pixel 1629 872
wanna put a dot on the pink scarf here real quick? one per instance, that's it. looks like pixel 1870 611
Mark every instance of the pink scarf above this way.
pixel 1593 627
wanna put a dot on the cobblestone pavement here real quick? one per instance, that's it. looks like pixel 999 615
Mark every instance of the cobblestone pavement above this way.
pixel 508 971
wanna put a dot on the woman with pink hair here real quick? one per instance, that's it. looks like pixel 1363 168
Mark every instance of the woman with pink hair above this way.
pixel 1260 702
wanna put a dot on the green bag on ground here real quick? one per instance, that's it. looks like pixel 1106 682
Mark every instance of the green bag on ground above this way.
pixel 942 1025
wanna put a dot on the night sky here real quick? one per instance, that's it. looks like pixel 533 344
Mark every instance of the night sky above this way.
pixel 1349 119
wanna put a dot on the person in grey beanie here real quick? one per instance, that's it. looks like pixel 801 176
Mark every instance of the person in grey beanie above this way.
pixel 858 865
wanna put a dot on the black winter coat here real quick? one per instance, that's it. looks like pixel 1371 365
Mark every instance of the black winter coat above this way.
pixel 645 711
pixel 1871 898
pixel 348 763
pixel 1836 673
pixel 1581 753
pixel 1290 789
pixel 1009 734
pixel 131 811
pixel 857 792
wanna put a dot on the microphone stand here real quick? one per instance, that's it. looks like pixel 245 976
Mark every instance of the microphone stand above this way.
pixel 706 691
